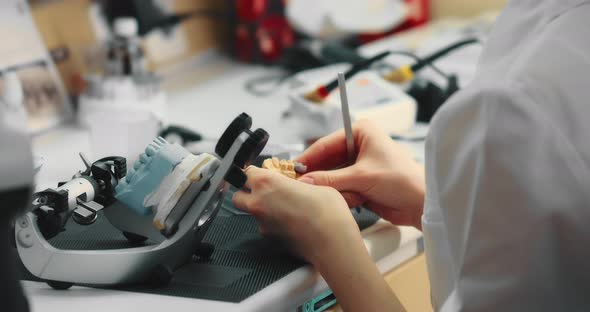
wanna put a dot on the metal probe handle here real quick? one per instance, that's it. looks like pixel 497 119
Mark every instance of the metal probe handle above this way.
pixel 346 119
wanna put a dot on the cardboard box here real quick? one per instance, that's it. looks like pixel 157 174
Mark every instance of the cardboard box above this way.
pixel 69 32
pixel 462 8
pixel 66 30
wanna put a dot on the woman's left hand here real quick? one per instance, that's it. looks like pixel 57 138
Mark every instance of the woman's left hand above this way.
pixel 317 223
pixel 308 217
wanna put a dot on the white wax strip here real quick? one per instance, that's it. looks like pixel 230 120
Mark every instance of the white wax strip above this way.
pixel 174 185
pixel 189 172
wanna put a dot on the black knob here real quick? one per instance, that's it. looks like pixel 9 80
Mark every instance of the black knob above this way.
pixel 57 200
pixel 204 251
pixel 236 177
pixel 120 166
pixel 239 125
pixel 115 164
pixel 251 148
pixel 161 276
pixel 57 285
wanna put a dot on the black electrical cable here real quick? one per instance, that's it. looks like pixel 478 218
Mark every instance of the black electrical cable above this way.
pixel 442 52
pixel 174 19
pixel 252 86
pixel 273 82
pixel 356 68
pixel 419 59
pixel 150 16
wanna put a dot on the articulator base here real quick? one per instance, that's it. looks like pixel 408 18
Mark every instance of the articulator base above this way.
pixel 178 234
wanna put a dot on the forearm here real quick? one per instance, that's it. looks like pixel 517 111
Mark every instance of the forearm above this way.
pixel 354 278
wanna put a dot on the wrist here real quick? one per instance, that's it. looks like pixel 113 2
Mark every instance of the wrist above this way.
pixel 331 228
pixel 340 248
pixel 335 241
pixel 350 271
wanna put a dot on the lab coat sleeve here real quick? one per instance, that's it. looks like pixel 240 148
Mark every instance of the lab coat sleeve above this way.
pixel 513 192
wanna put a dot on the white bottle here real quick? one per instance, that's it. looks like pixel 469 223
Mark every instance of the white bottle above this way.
pixel 125 56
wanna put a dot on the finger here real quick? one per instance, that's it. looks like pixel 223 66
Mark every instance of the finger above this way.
pixel 342 180
pixel 326 153
pixel 353 199
pixel 241 200
pixel 254 175
pixel 330 151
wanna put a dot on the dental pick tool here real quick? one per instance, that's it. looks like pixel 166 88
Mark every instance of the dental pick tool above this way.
pixel 346 119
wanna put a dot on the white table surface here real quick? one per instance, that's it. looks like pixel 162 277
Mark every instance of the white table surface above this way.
pixel 208 108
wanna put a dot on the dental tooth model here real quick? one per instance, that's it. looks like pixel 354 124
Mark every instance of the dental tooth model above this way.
pixel 288 168
pixel 160 177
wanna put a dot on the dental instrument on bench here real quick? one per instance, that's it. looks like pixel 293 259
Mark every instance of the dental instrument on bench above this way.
pixel 346 118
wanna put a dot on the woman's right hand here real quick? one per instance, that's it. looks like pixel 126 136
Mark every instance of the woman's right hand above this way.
pixel 385 177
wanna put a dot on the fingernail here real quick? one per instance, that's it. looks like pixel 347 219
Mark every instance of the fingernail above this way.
pixel 307 180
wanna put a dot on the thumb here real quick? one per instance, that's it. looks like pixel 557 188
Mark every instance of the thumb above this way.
pixel 341 179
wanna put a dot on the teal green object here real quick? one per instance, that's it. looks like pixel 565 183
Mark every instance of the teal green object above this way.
pixel 320 303
pixel 153 166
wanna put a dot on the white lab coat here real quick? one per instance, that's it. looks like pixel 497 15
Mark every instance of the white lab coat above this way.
pixel 507 211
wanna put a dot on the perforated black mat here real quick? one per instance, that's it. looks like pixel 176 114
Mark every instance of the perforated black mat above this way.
pixel 242 264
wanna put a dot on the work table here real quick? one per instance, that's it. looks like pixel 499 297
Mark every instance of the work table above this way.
pixel 208 107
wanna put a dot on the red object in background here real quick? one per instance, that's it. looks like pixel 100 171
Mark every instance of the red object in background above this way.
pixel 262 31
pixel 273 36
pixel 418 14
pixel 251 10
pixel 244 43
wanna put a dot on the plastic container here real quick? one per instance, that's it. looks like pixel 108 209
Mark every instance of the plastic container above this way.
pixel 124 133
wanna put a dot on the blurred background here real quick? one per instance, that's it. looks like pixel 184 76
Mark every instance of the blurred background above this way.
pixel 67 67
pixel 177 31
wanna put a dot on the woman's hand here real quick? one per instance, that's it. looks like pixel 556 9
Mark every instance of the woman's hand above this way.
pixel 385 177
pixel 306 216
pixel 317 223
